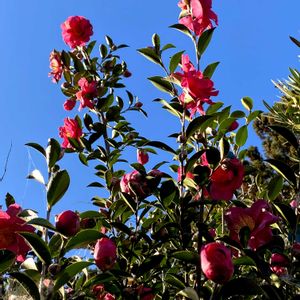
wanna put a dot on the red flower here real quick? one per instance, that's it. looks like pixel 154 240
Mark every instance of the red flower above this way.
pixel 145 293
pixel 197 15
pixel 197 89
pixel 226 179
pixel 105 254
pixel 56 65
pixel 142 156
pixel 180 174
pixel 68 223
pixel 134 184
pixel 69 104
pixel 76 31
pixel 279 264
pixel 257 218
pixel 10 224
pixel 216 262
pixel 88 91
pixel 71 129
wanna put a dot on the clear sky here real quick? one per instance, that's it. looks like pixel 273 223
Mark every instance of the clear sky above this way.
pixel 251 42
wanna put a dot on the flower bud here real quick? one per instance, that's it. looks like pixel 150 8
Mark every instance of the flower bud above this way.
pixel 142 156
pixel 234 125
pixel 216 262
pixel 105 254
pixel 69 104
pixel 67 223
pixel 138 104
pixel 127 74
pixel 279 264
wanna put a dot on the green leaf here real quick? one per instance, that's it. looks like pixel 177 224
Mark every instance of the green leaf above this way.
pixel 284 170
pixel 173 280
pixel 41 222
pixel 174 61
pixel 28 284
pixel 138 167
pixel 241 136
pixel 82 239
pixel 224 147
pixel 274 187
pixel 214 108
pixel 204 40
pixel 150 263
pixel 55 245
pixel 247 103
pixel 90 214
pixel 37 147
pixel 38 246
pixel 151 55
pixel 253 115
pixel 237 114
pixel 192 160
pixel 168 192
pixel 156 42
pixel 196 124
pixel 52 152
pixel 295 41
pixel 187 256
pixel 190 293
pixel 286 134
pixel 210 69
pixel 7 259
pixel 122 227
pixel 166 47
pixel 69 272
pixel 161 84
pixel 240 287
pixel 287 213
pixel 244 261
pixel 183 29
pixel 9 200
pixel 129 201
pixel 57 186
pixel 160 145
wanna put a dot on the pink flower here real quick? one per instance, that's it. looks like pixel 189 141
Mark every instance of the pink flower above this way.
pixel 216 262
pixel 197 15
pixel 180 174
pixel 257 218
pixel 145 293
pixel 56 65
pixel 134 184
pixel 197 89
pixel 67 223
pixel 226 179
pixel 88 91
pixel 76 31
pixel 279 264
pixel 10 224
pixel 294 204
pixel 69 104
pixel 71 129
pixel 105 254
pixel 142 156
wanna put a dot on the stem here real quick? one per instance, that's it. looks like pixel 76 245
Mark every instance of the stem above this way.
pixel 199 269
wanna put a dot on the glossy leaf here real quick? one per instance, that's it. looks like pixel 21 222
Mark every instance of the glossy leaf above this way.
pixel 57 186
pixel 53 151
pixel 151 55
pixel 37 147
pixel 161 84
pixel 190 293
pixel 247 103
pixel 210 69
pixel 274 187
pixel 182 29
pixel 9 199
pixel 204 40
pixel 196 124
pixel 82 239
pixel 7 259
pixel 38 246
pixel 28 284
pixel 174 61
pixel 187 256
pixel 241 136
pixel 160 145
pixel 69 272
pixel 174 281
pixel 41 222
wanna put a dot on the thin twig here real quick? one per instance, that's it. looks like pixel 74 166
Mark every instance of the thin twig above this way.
pixel 6 162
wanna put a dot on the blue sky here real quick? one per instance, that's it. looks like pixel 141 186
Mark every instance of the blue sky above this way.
pixel 251 42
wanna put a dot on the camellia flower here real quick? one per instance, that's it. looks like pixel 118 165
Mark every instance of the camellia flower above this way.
pixel 10 224
pixel 197 15
pixel 216 262
pixel 142 156
pixel 56 65
pixel 76 31
pixel 69 104
pixel 197 89
pixel 88 91
pixel 105 254
pixel 134 184
pixel 257 218
pixel 68 223
pixel 226 179
pixel 71 129
pixel 279 264
pixel 145 293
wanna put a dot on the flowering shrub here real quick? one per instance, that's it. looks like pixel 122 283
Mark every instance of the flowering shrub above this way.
pixel 195 233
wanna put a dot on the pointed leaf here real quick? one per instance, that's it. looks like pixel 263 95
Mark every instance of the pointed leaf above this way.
pixel 174 61
pixel 187 256
pixel 41 222
pixel 38 246
pixel 196 124
pixel 183 29
pixel 160 145
pixel 173 280
pixel 247 103
pixel 9 199
pixel 83 238
pixel 284 170
pixel 57 186
pixel 204 40
pixel 37 147
pixel 28 284
pixel 241 136
pixel 210 69
pixel 7 259
pixel 190 293
pixel 274 187
pixel 150 54
pixel 161 84
pixel 69 272
pixel 52 152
